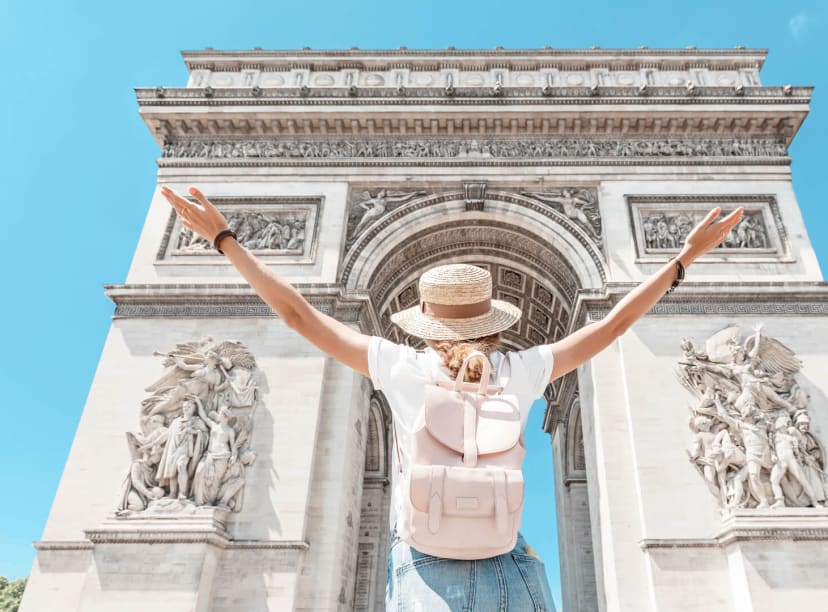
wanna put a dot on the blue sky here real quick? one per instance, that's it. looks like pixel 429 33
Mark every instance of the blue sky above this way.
pixel 78 166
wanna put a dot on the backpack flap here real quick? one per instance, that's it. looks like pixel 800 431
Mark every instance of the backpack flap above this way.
pixel 498 424
pixel 497 419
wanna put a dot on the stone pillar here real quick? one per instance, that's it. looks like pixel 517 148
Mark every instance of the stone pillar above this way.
pixel 578 585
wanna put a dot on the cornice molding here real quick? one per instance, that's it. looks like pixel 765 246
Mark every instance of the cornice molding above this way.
pixel 231 300
pixel 115 536
pixel 403 120
pixel 498 57
pixel 750 525
pixel 809 298
pixel 63 545
pixel 473 163
pixel 464 96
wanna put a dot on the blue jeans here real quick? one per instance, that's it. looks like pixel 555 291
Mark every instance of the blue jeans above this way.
pixel 512 582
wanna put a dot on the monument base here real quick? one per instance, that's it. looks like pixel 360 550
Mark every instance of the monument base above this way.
pixel 165 520
pixel 760 560
pixel 172 557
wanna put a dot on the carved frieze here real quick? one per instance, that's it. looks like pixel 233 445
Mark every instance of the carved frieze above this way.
pixel 751 439
pixel 662 223
pixel 193 445
pixel 283 228
pixel 525 148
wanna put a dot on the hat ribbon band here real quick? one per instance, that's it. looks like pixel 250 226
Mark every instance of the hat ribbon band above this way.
pixel 456 311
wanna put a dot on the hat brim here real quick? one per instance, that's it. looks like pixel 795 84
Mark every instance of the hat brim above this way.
pixel 501 316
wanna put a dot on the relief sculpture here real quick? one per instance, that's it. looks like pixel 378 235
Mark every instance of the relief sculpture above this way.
pixel 579 205
pixel 258 231
pixel 751 438
pixel 367 208
pixel 532 148
pixel 666 230
pixel 193 445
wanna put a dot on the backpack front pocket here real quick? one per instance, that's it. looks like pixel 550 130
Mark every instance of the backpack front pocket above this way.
pixel 468 492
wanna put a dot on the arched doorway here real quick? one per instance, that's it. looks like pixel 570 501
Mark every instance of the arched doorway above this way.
pixel 539 259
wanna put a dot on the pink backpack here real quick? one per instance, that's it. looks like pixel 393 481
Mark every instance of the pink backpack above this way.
pixel 463 494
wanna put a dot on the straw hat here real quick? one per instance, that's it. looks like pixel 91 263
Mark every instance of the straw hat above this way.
pixel 456 304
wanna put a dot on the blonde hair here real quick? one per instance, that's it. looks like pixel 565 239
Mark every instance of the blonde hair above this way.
pixel 454 352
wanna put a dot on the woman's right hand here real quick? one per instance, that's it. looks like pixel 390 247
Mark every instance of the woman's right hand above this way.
pixel 203 218
pixel 708 235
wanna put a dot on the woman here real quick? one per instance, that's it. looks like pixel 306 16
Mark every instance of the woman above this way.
pixel 455 317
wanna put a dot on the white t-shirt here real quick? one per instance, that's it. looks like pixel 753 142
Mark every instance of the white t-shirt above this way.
pixel 401 372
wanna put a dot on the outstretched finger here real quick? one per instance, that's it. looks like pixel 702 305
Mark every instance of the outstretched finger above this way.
pixel 174 198
pixel 733 218
pixel 711 216
pixel 200 197
pixel 736 215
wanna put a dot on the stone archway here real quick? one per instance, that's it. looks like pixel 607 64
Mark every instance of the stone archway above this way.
pixel 539 260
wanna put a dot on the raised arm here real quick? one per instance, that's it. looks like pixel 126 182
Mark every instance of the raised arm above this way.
pixel 190 367
pixel 584 344
pixel 202 413
pixel 334 338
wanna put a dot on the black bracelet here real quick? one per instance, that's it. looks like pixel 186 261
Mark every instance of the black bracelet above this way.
pixel 221 236
pixel 679 275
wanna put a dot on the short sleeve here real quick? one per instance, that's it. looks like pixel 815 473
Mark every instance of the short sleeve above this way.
pixel 384 359
pixel 537 363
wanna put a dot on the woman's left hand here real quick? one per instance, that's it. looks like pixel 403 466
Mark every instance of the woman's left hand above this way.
pixel 203 218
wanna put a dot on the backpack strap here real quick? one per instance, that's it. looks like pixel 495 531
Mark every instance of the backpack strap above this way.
pixel 517 371
pixel 500 501
pixel 435 498
pixel 469 435
pixel 396 445
pixel 485 376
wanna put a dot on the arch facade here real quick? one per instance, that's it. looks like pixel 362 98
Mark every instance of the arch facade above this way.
pixel 571 175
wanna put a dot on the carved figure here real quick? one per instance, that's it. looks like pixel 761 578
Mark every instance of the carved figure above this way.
pixel 649 233
pixel 813 456
pixel 728 458
pixel 757 450
pixel 581 208
pixel 140 485
pixel 221 452
pixel 192 374
pixel 750 369
pixel 702 451
pixel 185 443
pixel 786 460
pixel 375 207
pixel 740 388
